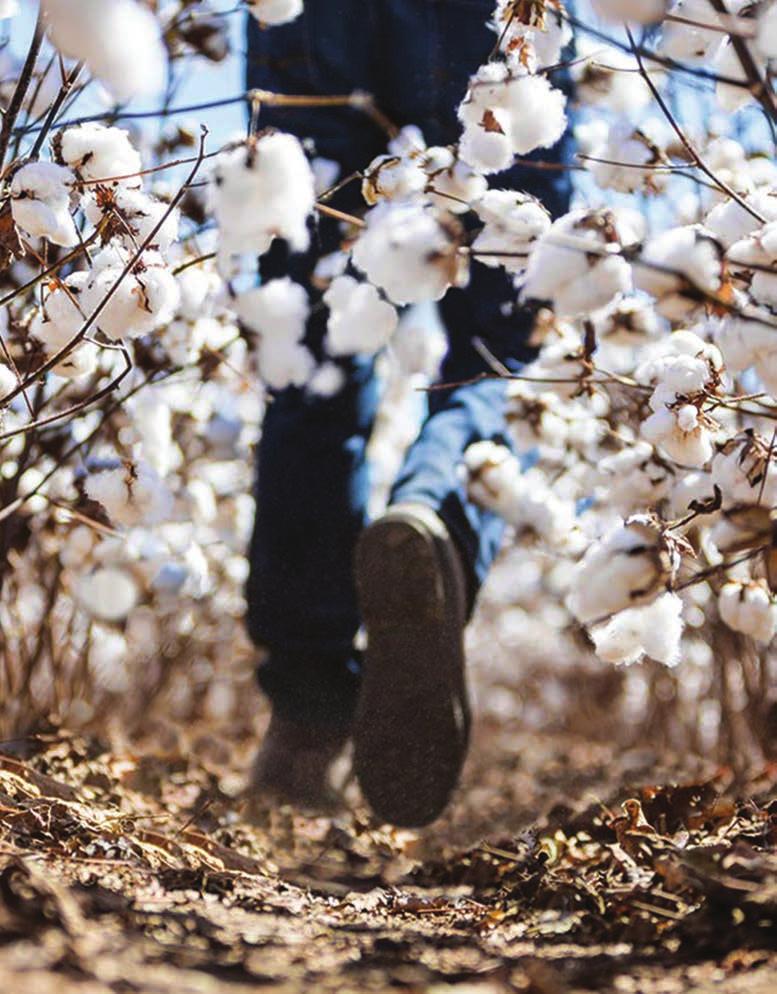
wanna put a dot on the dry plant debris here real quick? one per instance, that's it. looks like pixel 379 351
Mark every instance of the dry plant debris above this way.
pixel 144 874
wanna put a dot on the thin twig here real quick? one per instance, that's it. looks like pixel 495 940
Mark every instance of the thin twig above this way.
pixel 9 118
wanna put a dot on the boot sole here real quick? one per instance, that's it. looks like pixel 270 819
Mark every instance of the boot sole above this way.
pixel 412 720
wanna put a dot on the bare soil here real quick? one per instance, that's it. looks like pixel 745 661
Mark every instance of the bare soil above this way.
pixel 563 865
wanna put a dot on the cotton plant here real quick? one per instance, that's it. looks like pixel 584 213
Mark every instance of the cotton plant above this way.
pixel 262 189
pixel 607 79
pixel 627 160
pixel 119 40
pixel 751 259
pixel 40 202
pixel 277 312
pixel 685 376
pixel 99 154
pixel 512 223
pixel 359 320
pixel 577 264
pixel 524 500
pixel 696 35
pixel 130 493
pixel 411 251
pixel 537 32
pixel 411 169
pixel 750 608
pixel 681 268
pixel 508 112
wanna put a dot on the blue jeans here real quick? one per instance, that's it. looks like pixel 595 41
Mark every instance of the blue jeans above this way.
pixel 415 57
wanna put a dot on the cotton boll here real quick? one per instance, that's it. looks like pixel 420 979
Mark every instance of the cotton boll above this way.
pixel 537 117
pixel 699 372
pixel 492 475
pixel 535 509
pixel 389 177
pixel 120 41
pixel 562 366
pixel 745 471
pixel 151 417
pixel 198 287
pixel 634 478
pixel 562 268
pixel 419 343
pixel 536 418
pixel 359 320
pixel 410 251
pixel 524 110
pixel 749 344
pixel 276 310
pixel 62 314
pixel 262 190
pixel 452 184
pixel 495 481
pixel 328 380
pixel 131 216
pixel 96 152
pixel 131 494
pixel 487 150
pixel 684 370
pixel 758 249
pixel 631 565
pixel 680 432
pixel 539 418
pixel 627 321
pixel 512 222
pixel 538 34
pixel 606 77
pixel 654 630
pixel 285 363
pixel 675 265
pixel 272 12
pixel 687 488
pixel 749 608
pixel 627 156
pixel 640 11
pixel 40 202
pixel 729 222
pixel 59 321
pixel 108 594
pixel 691 42
pixel 137 304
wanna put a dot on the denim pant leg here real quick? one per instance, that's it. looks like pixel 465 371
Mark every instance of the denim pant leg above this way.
pixel 312 483
pixel 463 414
pixel 312 490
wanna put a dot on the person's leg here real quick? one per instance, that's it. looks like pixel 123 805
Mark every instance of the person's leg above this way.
pixel 418 570
pixel 419 566
pixel 469 410
pixel 311 493
pixel 312 483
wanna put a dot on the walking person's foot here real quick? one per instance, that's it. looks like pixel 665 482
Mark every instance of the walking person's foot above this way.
pixel 412 721
pixel 294 763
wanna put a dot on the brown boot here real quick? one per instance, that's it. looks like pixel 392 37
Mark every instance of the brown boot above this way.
pixel 294 763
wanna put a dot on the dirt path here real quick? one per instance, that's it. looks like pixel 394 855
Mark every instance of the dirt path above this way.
pixel 143 874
